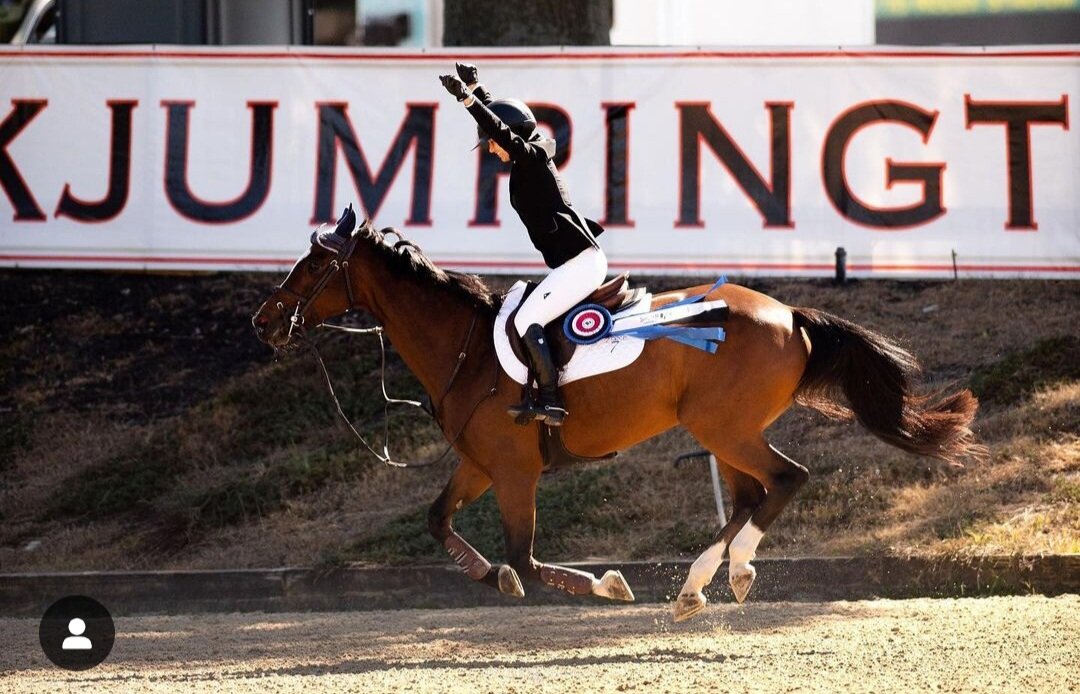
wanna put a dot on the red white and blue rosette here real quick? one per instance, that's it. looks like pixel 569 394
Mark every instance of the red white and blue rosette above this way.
pixel 587 324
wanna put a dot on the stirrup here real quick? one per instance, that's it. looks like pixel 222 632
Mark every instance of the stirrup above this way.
pixel 522 416
pixel 554 416
pixel 525 412
pixel 529 411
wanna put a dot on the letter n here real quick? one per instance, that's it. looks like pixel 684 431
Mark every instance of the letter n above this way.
pixel 772 200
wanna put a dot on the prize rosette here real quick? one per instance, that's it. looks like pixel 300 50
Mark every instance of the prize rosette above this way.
pixel 587 324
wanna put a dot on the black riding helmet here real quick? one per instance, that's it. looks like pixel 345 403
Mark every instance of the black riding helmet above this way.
pixel 515 114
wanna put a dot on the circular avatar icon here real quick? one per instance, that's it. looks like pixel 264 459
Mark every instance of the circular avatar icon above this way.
pixel 76 633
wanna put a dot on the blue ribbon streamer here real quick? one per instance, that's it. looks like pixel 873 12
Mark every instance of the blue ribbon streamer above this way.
pixel 706 339
pixel 699 297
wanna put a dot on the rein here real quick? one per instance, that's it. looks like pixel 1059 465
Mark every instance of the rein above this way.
pixel 385 457
pixel 297 325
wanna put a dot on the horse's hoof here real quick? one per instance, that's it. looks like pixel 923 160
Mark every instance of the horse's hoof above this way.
pixel 741 578
pixel 509 583
pixel 614 586
pixel 688 605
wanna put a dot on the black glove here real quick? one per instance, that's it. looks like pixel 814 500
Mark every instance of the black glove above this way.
pixel 455 86
pixel 467 73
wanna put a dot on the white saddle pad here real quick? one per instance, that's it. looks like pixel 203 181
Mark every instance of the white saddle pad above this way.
pixel 609 354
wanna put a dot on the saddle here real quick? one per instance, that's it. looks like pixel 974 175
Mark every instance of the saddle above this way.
pixel 614 295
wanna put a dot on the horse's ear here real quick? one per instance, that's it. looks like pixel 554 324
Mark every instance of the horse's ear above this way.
pixel 346 223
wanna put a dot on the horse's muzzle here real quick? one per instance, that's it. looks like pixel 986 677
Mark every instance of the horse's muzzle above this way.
pixel 273 335
pixel 260 323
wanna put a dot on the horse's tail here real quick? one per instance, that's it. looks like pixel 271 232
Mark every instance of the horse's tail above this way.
pixel 875 377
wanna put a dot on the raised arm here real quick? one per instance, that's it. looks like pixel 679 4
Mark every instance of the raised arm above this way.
pixel 489 123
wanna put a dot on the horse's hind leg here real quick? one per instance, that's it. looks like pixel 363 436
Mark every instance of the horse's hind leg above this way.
pixel 746 495
pixel 516 496
pixel 779 477
pixel 466 485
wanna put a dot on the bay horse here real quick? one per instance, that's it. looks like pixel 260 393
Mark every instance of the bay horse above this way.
pixel 774 355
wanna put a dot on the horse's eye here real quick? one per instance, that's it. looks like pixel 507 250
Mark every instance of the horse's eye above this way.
pixel 314 266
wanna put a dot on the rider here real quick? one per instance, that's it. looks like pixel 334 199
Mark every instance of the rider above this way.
pixel 565 238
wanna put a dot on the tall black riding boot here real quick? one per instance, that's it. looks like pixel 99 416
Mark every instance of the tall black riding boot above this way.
pixel 548 408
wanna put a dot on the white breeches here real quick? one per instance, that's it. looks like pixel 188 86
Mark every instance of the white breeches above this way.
pixel 562 288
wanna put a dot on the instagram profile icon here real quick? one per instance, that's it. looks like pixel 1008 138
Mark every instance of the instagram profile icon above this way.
pixel 76 633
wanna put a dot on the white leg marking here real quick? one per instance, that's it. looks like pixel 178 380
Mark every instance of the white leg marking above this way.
pixel 744 548
pixel 704 568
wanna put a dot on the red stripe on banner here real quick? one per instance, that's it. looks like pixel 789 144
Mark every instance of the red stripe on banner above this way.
pixel 720 266
pixel 986 268
pixel 829 266
pixel 148 259
pixel 548 55
pixel 538 265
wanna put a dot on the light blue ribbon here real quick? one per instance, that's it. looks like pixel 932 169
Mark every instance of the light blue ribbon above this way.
pixel 706 339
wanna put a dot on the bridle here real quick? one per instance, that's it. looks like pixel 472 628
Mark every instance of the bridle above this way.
pixel 298 323
pixel 298 319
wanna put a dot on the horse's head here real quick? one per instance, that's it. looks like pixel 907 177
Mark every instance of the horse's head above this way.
pixel 317 288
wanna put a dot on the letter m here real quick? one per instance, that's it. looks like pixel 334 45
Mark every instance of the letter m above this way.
pixel 416 132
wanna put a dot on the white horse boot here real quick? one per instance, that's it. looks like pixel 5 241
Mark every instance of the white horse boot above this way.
pixel 741 574
pixel 691 600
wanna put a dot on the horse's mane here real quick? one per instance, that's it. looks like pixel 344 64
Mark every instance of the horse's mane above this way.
pixel 406 258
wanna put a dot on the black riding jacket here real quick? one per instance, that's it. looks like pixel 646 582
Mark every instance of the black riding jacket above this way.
pixel 537 192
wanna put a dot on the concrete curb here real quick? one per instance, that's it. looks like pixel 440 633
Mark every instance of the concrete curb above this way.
pixel 407 587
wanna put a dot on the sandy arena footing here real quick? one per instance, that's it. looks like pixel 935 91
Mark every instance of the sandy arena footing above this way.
pixel 985 644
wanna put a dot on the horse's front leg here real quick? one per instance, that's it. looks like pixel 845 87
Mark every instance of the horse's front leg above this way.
pixel 466 485
pixel 516 496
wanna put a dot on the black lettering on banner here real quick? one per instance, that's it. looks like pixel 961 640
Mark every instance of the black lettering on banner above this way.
pixel 119 173
pixel 490 169
pixel 772 200
pixel 562 130
pixel 259 168
pixel 26 207
pixel 928 175
pixel 488 172
pixel 1018 117
pixel 616 164
pixel 417 132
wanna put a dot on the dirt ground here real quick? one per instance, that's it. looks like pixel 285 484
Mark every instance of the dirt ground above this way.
pixel 989 644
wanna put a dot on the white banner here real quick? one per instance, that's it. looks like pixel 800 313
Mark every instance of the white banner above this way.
pixel 916 163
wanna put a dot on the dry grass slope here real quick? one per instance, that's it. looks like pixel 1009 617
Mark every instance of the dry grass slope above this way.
pixel 142 426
